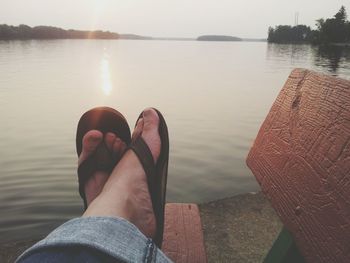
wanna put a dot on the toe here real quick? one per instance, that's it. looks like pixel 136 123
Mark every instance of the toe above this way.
pixel 151 120
pixel 119 148
pixel 90 142
pixel 150 131
pixel 109 140
pixel 138 129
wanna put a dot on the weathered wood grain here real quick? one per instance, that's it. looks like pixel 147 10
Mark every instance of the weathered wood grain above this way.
pixel 301 158
pixel 183 237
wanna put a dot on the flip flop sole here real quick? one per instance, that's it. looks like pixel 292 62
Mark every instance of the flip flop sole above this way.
pixel 104 119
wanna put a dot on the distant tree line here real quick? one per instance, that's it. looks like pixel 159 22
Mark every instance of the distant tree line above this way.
pixel 331 30
pixel 47 32
pixel 218 38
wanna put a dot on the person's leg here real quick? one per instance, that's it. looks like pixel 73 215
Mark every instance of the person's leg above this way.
pixel 116 216
pixel 91 141
pixel 92 188
pixel 126 192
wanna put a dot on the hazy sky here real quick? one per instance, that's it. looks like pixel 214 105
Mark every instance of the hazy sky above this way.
pixel 165 18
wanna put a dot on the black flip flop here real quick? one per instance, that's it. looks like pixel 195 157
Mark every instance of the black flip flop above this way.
pixel 106 120
pixel 156 173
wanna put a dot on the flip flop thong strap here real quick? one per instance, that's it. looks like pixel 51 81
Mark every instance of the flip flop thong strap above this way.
pixel 145 156
pixel 100 160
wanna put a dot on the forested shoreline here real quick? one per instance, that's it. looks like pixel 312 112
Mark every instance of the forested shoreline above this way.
pixel 8 32
pixel 328 31
pixel 335 30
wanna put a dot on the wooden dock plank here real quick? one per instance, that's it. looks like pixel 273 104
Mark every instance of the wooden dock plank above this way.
pixel 301 158
pixel 183 237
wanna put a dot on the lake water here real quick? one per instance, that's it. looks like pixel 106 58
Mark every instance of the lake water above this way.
pixel 214 96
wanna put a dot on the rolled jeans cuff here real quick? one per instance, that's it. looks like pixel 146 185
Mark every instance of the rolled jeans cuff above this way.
pixel 113 236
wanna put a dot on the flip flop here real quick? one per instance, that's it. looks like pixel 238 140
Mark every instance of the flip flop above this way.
pixel 156 173
pixel 103 119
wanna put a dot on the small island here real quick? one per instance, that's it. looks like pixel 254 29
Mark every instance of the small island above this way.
pixel 8 32
pixel 218 38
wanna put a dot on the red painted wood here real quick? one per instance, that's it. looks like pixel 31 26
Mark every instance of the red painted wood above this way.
pixel 301 158
pixel 183 237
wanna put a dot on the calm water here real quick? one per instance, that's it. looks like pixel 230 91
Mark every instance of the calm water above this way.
pixel 214 96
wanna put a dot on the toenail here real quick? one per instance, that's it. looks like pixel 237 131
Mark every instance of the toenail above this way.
pixel 147 112
pixel 94 139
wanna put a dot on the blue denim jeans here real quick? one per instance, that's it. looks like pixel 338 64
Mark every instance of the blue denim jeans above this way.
pixel 95 239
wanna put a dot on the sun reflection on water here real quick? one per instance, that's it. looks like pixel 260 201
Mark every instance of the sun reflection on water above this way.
pixel 106 77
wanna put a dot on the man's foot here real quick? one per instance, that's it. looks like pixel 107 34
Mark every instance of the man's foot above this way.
pixel 91 142
pixel 126 193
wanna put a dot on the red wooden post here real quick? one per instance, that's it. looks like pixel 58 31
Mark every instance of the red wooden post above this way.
pixel 301 158
pixel 183 237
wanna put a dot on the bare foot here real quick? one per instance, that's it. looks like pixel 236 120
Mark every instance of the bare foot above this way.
pixel 126 193
pixel 91 141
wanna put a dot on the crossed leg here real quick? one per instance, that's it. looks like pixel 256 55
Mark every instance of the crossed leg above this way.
pixel 125 192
